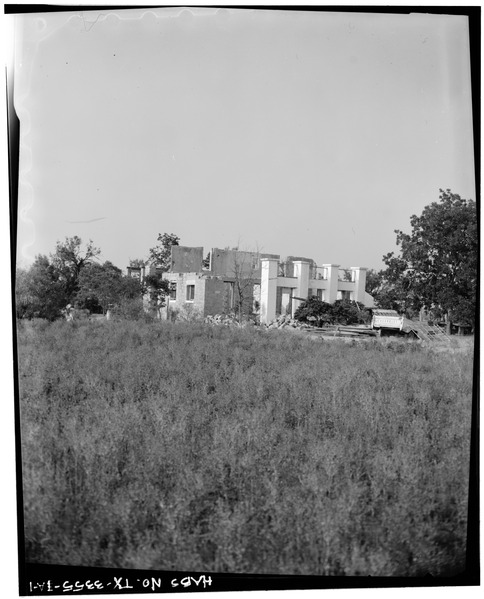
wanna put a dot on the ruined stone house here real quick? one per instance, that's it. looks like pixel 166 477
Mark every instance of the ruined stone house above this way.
pixel 232 280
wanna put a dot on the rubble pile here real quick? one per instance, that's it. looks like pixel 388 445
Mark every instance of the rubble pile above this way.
pixel 285 321
pixel 281 322
pixel 228 320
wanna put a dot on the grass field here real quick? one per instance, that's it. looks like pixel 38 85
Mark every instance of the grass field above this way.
pixel 185 446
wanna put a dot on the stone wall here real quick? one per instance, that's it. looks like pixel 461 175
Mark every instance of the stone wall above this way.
pixel 182 280
pixel 215 296
pixel 229 262
pixel 186 259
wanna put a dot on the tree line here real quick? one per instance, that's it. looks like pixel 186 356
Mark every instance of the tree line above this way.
pixel 436 268
pixel 73 275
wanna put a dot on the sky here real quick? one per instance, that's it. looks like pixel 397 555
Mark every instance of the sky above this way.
pixel 314 134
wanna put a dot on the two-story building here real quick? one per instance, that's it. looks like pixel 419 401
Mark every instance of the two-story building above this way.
pixel 232 280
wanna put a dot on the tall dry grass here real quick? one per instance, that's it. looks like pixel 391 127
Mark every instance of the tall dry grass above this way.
pixel 181 446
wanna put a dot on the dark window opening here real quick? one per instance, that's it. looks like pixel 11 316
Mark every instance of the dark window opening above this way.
pixel 190 293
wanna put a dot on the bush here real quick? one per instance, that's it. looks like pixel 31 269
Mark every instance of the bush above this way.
pixel 319 313
pixel 129 309
pixel 314 311
pixel 186 313
pixel 347 313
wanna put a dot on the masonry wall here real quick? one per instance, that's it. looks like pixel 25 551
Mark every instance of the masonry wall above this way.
pixel 182 280
pixel 228 262
pixel 215 297
pixel 186 259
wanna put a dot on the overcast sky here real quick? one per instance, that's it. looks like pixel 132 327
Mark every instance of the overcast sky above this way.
pixel 306 133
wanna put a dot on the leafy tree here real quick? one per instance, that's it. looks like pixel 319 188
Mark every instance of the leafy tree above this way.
pixel 314 311
pixel 22 292
pixel 374 281
pixel 437 265
pixel 348 312
pixel 39 290
pixel 206 261
pixel 102 285
pixel 69 259
pixel 390 289
pixel 137 263
pixel 320 313
pixel 157 288
pixel 160 255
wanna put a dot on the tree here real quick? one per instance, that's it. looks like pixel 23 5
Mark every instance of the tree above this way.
pixel 314 311
pixel 344 312
pixel 160 255
pixel 374 281
pixel 102 285
pixel 137 263
pixel 40 291
pixel 51 283
pixel 437 265
pixel 347 275
pixel 348 312
pixel 23 297
pixel 244 274
pixel 157 288
pixel 389 288
pixel 69 259
pixel 206 262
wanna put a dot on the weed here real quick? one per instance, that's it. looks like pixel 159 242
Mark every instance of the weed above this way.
pixel 184 446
